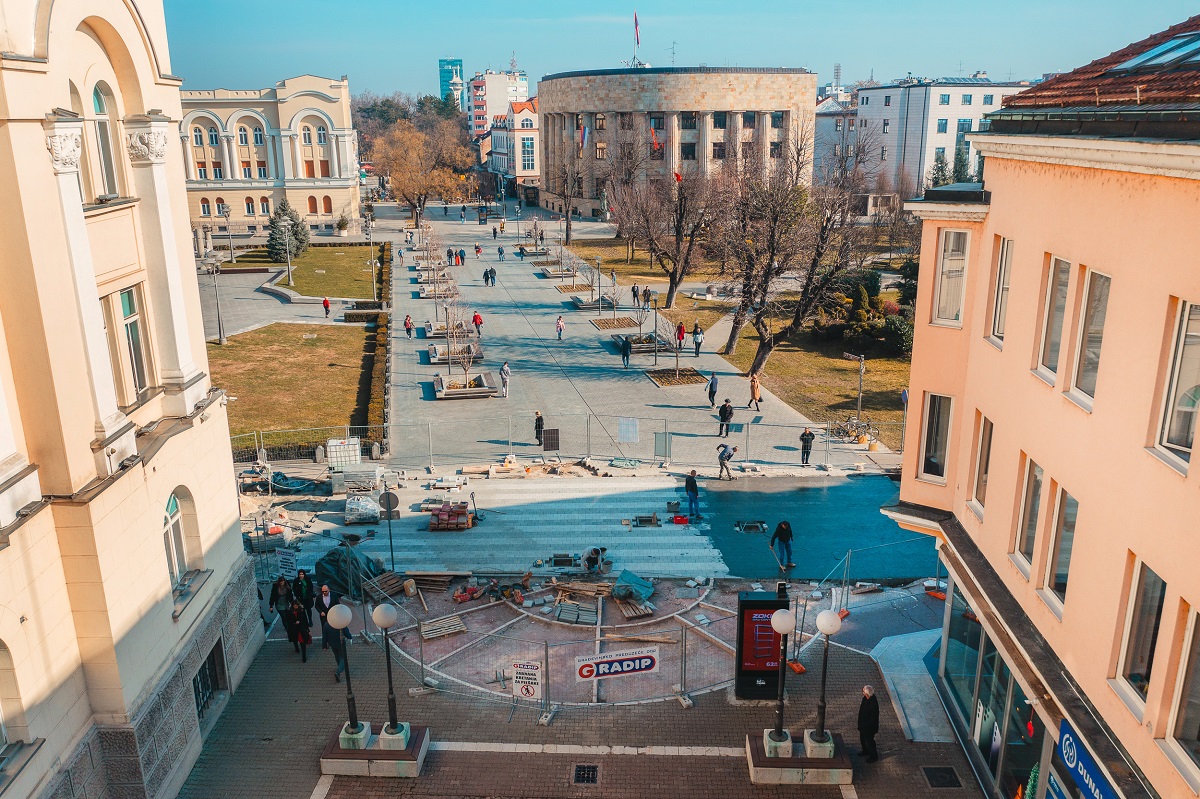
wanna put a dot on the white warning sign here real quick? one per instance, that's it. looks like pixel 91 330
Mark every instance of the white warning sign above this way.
pixel 527 680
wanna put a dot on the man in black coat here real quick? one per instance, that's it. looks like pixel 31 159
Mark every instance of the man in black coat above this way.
pixel 326 600
pixel 806 442
pixel 725 415
pixel 626 350
pixel 868 723
pixel 539 424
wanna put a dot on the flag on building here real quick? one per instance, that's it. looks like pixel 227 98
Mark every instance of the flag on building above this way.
pixel 583 137
pixel 678 177
pixel 637 34
pixel 654 138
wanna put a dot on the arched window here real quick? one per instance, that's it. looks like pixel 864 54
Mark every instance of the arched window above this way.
pixel 307 133
pixel 264 205
pixel 101 102
pixel 197 137
pixel 312 205
pixel 205 208
pixel 327 205
pixel 243 136
pixel 213 139
pixel 221 207
pixel 12 712
pixel 249 206
pixel 177 564
pixel 527 122
pixel 322 137
pixel 258 136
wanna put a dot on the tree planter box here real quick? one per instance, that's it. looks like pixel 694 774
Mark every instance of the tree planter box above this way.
pixel 556 271
pixel 645 342
pixel 440 353
pixel 582 304
pixel 442 292
pixel 438 329
pixel 482 385
pixel 428 276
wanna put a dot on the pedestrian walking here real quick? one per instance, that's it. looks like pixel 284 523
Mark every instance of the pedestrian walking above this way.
pixel 492 275
pixel 487 276
pixel 725 454
pixel 400 257
pixel 626 350
pixel 281 595
pixel 806 442
pixel 755 393
pixel 325 305
pixel 637 295
pixel 304 592
pixel 478 250
pixel 781 542
pixel 712 390
pixel 462 217
pixel 697 337
pixel 693 495
pixel 680 335
pixel 505 376
pixel 462 256
pixel 725 416
pixel 500 252
pixel 560 326
pixel 539 424
pixel 326 600
pixel 300 633
pixel 450 256
pixel 647 295
pixel 868 723
pixel 501 225
pixel 477 320
pixel 408 325
pixel 290 620
pixel 542 238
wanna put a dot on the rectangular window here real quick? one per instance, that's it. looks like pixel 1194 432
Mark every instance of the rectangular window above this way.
pixel 201 170
pixel 601 122
pixel 943 99
pixel 1187 722
pixel 988 99
pixel 851 123
pixel 528 157
pixel 1031 507
pixel 866 99
pixel 687 120
pixel 310 169
pixel 937 435
pixel 943 125
pixel 718 150
pixel 1056 309
pixel 952 267
pixel 1064 542
pixel 578 121
pixel 131 320
pixel 626 120
pixel 939 152
pixel 1000 302
pixel 601 151
pixel 882 153
pixel 658 121
pixel 720 120
pixel 777 119
pixel 245 170
pixel 963 640
pixel 218 173
pixel 258 136
pixel 687 151
pixel 1183 388
pixel 324 168
pixel 776 149
pixel 108 173
pixel 1137 661
pixel 1092 334
pixel 262 170
pixel 983 461
pixel 208 682
pixel 887 124
pixel 837 150
pixel 749 119
pixel 264 205
pixel 966 99
pixel 887 99
pixel 837 124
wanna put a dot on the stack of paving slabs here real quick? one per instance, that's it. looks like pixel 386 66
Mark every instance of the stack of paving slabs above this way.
pixel 575 613
pixel 452 516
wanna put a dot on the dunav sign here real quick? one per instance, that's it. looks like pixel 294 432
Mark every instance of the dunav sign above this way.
pixel 1083 768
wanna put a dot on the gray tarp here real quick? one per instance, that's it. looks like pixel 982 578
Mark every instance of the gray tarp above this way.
pixel 344 570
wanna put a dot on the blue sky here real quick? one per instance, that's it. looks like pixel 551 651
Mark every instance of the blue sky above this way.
pixel 394 45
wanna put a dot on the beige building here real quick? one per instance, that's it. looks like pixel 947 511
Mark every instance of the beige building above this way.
pixel 1053 408
pixel 245 150
pixel 128 610
pixel 685 118
pixel 515 151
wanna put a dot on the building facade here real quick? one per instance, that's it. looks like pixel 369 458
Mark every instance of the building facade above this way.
pixel 128 611
pixel 684 117
pixel 833 135
pixel 450 81
pixel 910 123
pixel 516 151
pixel 1054 397
pixel 490 94
pixel 247 149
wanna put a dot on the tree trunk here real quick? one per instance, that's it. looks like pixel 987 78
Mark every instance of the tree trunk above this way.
pixel 568 238
pixel 765 348
pixel 673 282
pixel 735 330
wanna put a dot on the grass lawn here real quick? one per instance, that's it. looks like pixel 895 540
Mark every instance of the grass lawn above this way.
pixel 611 253
pixel 689 311
pixel 324 271
pixel 810 375
pixel 285 381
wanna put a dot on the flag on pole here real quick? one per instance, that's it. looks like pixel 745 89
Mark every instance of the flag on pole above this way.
pixel 583 137
pixel 637 34
pixel 654 138
pixel 678 177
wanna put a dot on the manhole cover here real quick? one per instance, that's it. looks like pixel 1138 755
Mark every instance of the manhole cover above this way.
pixel 587 775
pixel 941 777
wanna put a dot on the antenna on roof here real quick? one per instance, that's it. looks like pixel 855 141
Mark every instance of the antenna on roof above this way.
pixel 512 62
pixel 673 52
pixel 960 68
pixel 837 74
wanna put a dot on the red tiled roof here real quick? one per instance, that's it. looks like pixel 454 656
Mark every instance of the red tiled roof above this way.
pixel 1090 85
pixel 529 105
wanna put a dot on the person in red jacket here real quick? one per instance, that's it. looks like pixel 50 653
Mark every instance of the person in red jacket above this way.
pixel 325 305
pixel 680 333
pixel 477 320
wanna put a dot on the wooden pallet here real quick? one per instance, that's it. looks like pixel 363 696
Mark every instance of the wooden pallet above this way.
pixel 590 589
pixel 385 586
pixel 632 610
pixel 450 625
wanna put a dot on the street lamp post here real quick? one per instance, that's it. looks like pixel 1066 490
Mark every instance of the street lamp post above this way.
pixel 384 617
pixel 828 622
pixel 229 230
pixel 783 621
pixel 654 332
pixel 287 243
pixel 214 268
pixel 339 619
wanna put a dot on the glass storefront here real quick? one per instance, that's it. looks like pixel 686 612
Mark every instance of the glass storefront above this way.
pixel 962 652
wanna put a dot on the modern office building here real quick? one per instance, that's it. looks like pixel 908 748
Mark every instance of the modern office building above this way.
pixel 909 123
pixel 1053 404
pixel 451 81
pixel 246 149
pixel 128 608
pixel 685 117
pixel 490 93
pixel 516 151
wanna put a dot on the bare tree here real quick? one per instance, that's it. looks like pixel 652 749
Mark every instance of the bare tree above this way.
pixel 628 162
pixel 459 347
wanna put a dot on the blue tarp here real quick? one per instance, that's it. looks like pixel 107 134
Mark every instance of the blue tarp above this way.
pixel 630 586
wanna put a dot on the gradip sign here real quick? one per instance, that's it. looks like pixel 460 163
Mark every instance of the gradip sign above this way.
pixel 527 680
pixel 616 664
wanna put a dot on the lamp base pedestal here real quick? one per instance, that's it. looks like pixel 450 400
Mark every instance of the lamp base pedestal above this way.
pixel 818 749
pixel 775 748
pixel 380 757
pixel 798 769
pixel 348 739
pixel 397 739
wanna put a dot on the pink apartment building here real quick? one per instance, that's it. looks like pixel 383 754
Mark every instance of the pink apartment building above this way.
pixel 1054 398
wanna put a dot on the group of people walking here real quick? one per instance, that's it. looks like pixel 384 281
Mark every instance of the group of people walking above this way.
pixel 296 602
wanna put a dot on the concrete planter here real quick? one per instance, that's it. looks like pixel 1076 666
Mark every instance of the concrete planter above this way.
pixel 438 329
pixel 644 343
pixel 445 291
pixel 479 386
pixel 442 353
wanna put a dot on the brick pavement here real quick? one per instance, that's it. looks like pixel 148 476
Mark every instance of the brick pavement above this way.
pixel 267 742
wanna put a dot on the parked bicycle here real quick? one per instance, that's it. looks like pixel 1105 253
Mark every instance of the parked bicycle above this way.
pixel 853 429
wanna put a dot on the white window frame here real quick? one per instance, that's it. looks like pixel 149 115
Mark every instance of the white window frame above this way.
pixel 246 173
pixel 197 137
pixel 943 99
pixel 258 137
pixel 981 466
pixel 937 280
pixel 1080 396
pixel 264 206
pixel 249 202
pixel 262 172
pixel 1048 594
pixel 1025 563
pixel 1000 292
pixel 306 135
pixel 1178 341
pixel 173 544
pixel 921 473
pixel 214 139
pixel 243 136
pixel 1175 751
pixel 218 171
pixel 202 172
pixel 1120 683
pixel 1045 372
pixel 322 135
pixel 205 208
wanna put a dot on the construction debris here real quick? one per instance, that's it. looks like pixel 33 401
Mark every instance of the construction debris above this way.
pixel 643 638
pixel 449 625
pixel 452 516
pixel 634 610
pixel 590 589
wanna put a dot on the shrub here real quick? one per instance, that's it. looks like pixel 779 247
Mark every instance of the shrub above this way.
pixel 898 335
pixel 376 317
pixel 890 308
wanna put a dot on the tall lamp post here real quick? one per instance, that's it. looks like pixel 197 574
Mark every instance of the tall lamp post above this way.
pixel 214 269
pixel 828 622
pixel 384 617
pixel 783 621
pixel 654 332
pixel 287 243
pixel 339 619
pixel 229 230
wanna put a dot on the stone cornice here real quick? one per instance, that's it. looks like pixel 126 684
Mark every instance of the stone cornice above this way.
pixel 959 212
pixel 1142 156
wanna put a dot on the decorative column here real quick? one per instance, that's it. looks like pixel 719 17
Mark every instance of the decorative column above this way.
pixel 189 163
pixel 335 159
pixel 704 123
pixel 146 145
pixel 231 162
pixel 672 143
pixel 114 433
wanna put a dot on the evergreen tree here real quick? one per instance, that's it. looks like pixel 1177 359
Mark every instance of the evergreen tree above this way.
pixel 977 176
pixel 939 174
pixel 962 164
pixel 294 234
pixel 908 283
